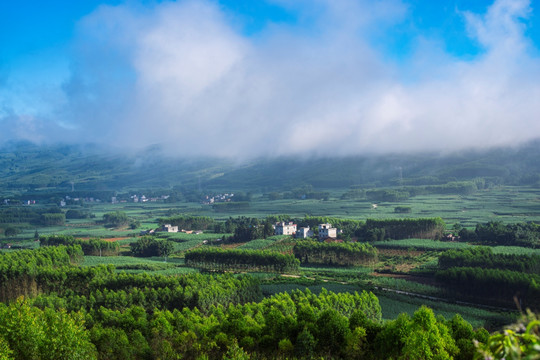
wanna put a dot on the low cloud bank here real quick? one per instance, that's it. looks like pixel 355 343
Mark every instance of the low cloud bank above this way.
pixel 183 76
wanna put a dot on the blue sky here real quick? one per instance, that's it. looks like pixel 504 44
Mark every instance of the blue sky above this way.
pixel 36 27
pixel 399 74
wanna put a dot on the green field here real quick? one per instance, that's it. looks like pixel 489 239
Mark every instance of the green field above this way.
pixel 508 204
pixel 504 203
pixel 420 244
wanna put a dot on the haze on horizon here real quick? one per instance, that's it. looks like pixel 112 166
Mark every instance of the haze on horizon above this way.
pixel 305 77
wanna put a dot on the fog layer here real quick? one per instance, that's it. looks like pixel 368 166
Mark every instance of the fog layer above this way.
pixel 185 76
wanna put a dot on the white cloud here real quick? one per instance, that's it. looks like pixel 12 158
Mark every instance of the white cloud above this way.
pixel 181 75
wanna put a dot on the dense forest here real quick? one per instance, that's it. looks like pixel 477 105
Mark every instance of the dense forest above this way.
pixel 98 313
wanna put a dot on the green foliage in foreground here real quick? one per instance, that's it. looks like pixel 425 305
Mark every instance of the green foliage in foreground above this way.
pixel 520 341
pixel 27 332
pixel 130 316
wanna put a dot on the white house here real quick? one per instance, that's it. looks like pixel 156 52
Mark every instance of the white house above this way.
pixel 169 228
pixel 285 228
pixel 304 232
pixel 327 231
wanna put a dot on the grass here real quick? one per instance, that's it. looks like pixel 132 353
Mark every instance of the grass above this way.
pixel 154 265
pixel 404 285
pixel 432 245
pixel 515 250
pixel 118 260
pixel 187 245
pixel 420 244
pixel 258 244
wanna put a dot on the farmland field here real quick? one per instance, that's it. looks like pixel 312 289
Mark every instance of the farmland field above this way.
pixel 504 203
pixel 400 266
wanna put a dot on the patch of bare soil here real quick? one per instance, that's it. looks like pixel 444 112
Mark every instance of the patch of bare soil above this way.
pixel 231 246
pixel 400 252
pixel 113 239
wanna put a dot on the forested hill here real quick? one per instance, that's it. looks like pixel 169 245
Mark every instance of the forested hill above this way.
pixel 26 166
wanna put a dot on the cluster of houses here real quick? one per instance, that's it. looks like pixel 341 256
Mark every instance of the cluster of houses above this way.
pixel 136 198
pixel 209 200
pixel 24 202
pixel 326 231
pixel 68 200
pixel 170 229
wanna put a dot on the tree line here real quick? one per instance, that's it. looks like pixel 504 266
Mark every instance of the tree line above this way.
pixel 423 228
pixel 147 246
pixel 45 216
pixel 344 254
pixel 217 259
pixel 188 222
pixel 499 285
pixel 483 256
pixel 95 247
pixel 497 233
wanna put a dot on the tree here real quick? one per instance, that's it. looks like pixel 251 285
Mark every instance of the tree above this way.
pixel 305 344
pixel 32 333
pixel 115 219
pixel 147 246
pixel 427 338
pixel 235 352
pixel 268 229
pixel 5 351
pixel 332 331
pixel 11 231
pixel 165 248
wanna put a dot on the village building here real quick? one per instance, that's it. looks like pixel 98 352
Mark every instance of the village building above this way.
pixel 304 232
pixel 169 228
pixel 285 228
pixel 327 231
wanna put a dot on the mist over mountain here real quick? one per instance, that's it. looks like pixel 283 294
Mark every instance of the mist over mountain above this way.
pixel 27 167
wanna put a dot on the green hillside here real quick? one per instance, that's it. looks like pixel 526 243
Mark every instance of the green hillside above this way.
pixel 29 167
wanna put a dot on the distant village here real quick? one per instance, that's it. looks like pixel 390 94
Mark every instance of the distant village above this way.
pixel 170 229
pixel 134 198
pixel 326 231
